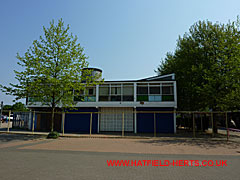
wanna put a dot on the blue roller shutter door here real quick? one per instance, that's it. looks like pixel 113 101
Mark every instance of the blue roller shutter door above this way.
pixel 164 121
pixel 80 123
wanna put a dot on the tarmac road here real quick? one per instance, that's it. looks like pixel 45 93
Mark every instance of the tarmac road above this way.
pixel 19 163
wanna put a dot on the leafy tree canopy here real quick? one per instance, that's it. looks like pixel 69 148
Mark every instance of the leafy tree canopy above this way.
pixel 7 107
pixel 207 66
pixel 53 69
pixel 18 106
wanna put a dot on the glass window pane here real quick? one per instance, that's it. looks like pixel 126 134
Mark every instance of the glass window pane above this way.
pixel 142 90
pixel 128 98
pixel 115 98
pixel 103 98
pixel 167 90
pixel 103 91
pixel 142 98
pixel 167 98
pixel 116 90
pixel 91 91
pixel 155 98
pixel 155 90
pixel 128 90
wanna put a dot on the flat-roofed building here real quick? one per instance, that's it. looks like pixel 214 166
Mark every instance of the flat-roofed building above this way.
pixel 147 104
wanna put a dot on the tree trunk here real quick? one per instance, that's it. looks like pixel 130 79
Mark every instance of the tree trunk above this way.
pixel 215 129
pixel 214 109
pixel 52 120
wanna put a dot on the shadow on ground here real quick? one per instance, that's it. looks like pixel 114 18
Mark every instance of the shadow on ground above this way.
pixel 202 140
pixel 203 143
pixel 17 137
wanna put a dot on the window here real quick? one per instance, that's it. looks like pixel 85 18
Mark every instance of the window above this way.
pixel 90 91
pixel 142 92
pixel 115 92
pixel 167 90
pixel 155 90
pixel 128 92
pixel 104 93
pixel 90 94
pixel 150 92
pixel 128 89
pixel 115 98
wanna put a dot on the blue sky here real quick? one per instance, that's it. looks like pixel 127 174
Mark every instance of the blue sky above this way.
pixel 125 38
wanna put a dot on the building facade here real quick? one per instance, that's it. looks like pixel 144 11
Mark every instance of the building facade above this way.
pixel 147 106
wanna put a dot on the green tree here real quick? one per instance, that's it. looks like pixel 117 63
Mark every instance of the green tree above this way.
pixel 18 106
pixel 206 63
pixel 53 70
pixel 7 107
pixel 207 67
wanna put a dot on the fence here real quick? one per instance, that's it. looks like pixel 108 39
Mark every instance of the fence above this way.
pixel 194 124
pixel 213 122
pixel 21 119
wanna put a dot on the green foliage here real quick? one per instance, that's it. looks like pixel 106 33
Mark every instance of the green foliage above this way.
pixel 53 135
pixel 53 69
pixel 19 107
pixel 207 63
pixel 7 107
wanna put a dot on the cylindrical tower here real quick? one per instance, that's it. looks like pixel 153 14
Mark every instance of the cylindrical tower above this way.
pixel 93 72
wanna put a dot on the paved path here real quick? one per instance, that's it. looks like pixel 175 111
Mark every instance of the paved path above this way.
pixel 141 146
pixel 31 157
pixel 234 136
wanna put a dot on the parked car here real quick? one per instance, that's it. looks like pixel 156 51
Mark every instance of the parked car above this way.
pixel 4 118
